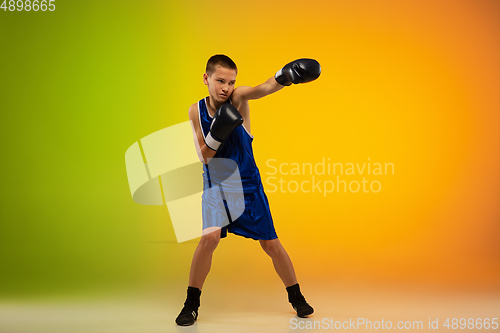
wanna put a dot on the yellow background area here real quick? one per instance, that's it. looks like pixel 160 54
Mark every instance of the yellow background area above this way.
pixel 409 83
pixel 412 83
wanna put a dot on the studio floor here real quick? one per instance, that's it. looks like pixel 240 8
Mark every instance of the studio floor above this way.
pixel 345 306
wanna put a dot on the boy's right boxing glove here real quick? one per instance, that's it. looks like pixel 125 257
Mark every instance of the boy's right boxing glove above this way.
pixel 226 119
pixel 298 71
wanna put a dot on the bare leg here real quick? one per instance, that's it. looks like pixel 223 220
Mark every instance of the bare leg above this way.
pixel 284 268
pixel 202 258
pixel 200 266
pixel 281 261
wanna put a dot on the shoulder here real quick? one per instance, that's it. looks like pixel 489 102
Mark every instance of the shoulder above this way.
pixel 193 111
pixel 239 94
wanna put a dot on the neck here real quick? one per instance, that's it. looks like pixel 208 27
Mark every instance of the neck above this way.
pixel 213 105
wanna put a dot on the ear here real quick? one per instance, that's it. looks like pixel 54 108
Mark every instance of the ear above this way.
pixel 205 79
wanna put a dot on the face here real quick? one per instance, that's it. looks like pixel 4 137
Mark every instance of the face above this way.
pixel 220 83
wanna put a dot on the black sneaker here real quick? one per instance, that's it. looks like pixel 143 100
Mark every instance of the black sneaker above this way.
pixel 303 309
pixel 188 316
pixel 298 301
pixel 189 312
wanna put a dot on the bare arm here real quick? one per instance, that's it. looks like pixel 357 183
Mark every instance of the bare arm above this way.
pixel 298 71
pixel 205 154
pixel 244 93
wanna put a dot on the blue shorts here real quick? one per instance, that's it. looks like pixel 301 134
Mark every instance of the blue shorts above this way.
pixel 255 222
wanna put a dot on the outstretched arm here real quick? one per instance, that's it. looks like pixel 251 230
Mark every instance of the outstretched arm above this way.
pixel 298 71
pixel 264 89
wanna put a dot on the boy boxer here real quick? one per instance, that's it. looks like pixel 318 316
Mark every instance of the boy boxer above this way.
pixel 221 123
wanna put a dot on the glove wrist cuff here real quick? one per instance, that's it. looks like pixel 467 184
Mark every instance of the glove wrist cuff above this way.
pixel 211 142
pixel 280 78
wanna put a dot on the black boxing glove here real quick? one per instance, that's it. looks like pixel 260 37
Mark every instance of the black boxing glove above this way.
pixel 226 119
pixel 298 71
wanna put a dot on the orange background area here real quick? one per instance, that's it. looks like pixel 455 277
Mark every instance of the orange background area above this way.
pixel 410 83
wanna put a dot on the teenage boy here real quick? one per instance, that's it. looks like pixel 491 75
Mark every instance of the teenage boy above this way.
pixel 221 123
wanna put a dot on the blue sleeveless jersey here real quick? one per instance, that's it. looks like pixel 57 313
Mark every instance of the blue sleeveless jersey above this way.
pixel 237 147
pixel 256 221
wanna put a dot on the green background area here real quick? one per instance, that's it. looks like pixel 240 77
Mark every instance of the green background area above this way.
pixel 79 86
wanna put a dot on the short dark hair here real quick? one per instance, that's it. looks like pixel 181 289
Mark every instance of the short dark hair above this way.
pixel 220 60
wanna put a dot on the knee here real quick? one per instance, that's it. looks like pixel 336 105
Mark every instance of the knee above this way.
pixel 271 247
pixel 210 241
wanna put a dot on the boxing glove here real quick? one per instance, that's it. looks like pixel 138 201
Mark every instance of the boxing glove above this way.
pixel 298 71
pixel 226 119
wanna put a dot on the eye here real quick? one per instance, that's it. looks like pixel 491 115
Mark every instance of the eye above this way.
pixel 221 81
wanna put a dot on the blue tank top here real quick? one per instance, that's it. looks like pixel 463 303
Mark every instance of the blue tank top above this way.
pixel 237 147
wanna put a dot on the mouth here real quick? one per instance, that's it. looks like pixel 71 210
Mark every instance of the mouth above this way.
pixel 223 95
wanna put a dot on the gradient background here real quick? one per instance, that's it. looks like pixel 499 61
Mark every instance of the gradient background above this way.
pixel 414 83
